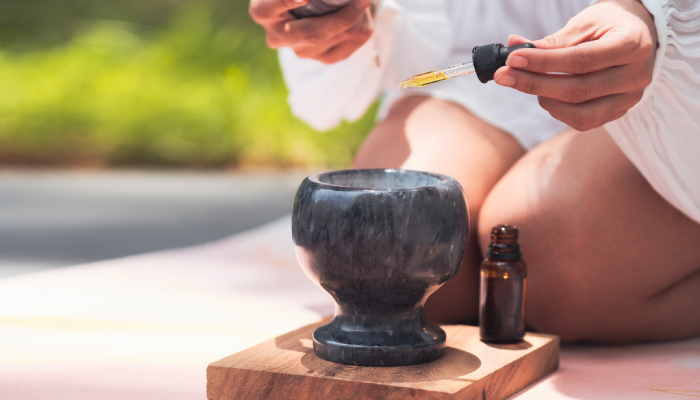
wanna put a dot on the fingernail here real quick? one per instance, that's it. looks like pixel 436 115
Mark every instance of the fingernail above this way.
pixel 299 1
pixel 506 80
pixel 516 62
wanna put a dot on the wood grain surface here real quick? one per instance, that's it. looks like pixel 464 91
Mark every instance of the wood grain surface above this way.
pixel 287 368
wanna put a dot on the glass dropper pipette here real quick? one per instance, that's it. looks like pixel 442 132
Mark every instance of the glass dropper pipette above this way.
pixel 485 61
pixel 438 75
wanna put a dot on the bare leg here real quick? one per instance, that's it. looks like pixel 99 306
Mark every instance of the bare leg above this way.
pixel 609 259
pixel 426 134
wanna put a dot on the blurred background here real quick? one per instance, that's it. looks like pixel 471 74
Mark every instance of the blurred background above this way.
pixel 131 126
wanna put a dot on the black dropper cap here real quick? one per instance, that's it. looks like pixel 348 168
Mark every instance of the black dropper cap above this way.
pixel 487 59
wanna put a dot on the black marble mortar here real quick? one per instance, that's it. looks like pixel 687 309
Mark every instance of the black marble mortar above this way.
pixel 380 242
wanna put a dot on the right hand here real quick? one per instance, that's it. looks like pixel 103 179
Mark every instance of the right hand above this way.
pixel 328 38
pixel 607 54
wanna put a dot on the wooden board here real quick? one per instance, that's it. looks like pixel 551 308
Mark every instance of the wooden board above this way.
pixel 287 368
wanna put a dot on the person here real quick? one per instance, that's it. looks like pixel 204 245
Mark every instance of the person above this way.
pixel 588 143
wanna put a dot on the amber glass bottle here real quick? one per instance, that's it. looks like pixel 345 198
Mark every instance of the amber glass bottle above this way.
pixel 503 283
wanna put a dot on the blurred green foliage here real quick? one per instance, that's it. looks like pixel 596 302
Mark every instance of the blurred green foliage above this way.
pixel 158 83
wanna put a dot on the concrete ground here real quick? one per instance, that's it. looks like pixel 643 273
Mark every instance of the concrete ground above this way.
pixel 56 219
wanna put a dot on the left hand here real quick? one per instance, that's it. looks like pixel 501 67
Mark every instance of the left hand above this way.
pixel 328 38
pixel 607 52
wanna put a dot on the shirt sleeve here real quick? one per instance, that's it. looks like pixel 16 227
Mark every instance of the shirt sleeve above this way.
pixel 661 134
pixel 408 39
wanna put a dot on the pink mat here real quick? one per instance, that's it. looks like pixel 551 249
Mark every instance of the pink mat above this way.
pixel 145 327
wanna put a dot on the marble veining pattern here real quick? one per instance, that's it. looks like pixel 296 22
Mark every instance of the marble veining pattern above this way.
pixel 380 242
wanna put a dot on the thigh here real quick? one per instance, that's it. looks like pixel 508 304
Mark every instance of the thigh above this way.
pixel 609 259
pixel 426 134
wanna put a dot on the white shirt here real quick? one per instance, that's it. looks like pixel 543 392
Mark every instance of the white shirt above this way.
pixel 660 135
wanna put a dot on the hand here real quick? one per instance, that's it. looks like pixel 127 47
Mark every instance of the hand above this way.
pixel 328 39
pixel 607 52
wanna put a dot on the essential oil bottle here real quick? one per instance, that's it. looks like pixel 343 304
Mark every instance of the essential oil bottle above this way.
pixel 503 286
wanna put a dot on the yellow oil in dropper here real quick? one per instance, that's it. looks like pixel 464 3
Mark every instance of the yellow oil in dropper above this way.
pixel 438 75
pixel 423 79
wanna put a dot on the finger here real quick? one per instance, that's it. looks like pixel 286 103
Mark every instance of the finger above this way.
pixel 577 31
pixel 343 50
pixel 264 10
pixel 312 31
pixel 333 50
pixel 593 113
pixel 352 40
pixel 574 88
pixel 339 52
pixel 579 59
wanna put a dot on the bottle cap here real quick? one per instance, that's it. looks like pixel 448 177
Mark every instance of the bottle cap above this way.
pixel 504 243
